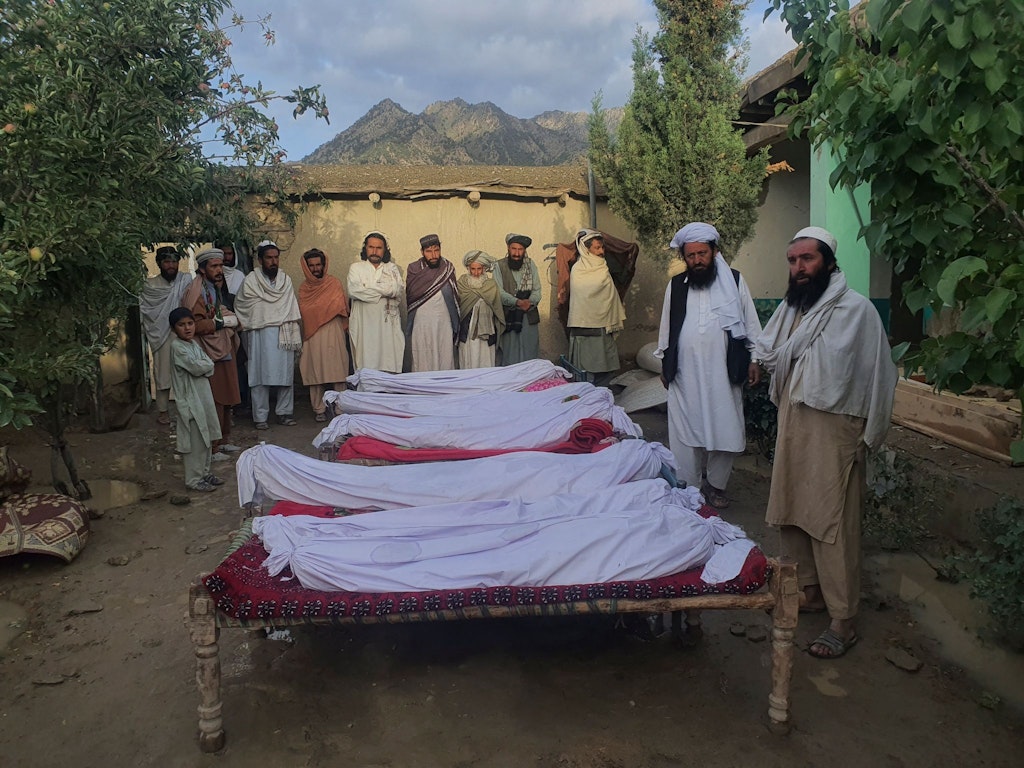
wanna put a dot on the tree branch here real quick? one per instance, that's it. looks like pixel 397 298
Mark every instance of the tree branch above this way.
pixel 994 199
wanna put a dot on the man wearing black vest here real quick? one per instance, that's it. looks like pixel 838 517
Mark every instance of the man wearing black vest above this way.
pixel 707 308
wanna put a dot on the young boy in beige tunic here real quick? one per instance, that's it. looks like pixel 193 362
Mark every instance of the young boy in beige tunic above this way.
pixel 198 425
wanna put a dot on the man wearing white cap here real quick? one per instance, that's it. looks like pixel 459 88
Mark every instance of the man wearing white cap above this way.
pixel 376 287
pixel 706 303
pixel 269 312
pixel 833 380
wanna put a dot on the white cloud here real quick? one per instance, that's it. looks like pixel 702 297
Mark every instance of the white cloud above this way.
pixel 526 56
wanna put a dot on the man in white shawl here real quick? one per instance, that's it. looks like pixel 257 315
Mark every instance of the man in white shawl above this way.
pixel 705 301
pixel 596 313
pixel 833 380
pixel 375 287
pixel 160 294
pixel 269 312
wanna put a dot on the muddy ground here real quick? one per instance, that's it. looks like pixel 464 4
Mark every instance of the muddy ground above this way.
pixel 115 686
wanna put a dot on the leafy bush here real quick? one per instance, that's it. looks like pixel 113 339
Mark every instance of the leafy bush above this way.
pixel 996 568
pixel 898 501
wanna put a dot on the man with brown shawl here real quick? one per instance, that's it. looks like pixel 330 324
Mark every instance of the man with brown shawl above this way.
pixel 481 312
pixel 596 313
pixel 324 308
pixel 433 302
pixel 217 334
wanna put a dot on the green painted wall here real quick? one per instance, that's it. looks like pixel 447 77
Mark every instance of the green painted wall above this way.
pixel 842 214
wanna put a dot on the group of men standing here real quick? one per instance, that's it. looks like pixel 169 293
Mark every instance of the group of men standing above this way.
pixel 253 325
pixel 832 378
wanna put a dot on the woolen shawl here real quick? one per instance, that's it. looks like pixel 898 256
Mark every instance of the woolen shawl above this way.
pixel 259 304
pixel 321 299
pixel 839 355
pixel 594 302
pixel 422 282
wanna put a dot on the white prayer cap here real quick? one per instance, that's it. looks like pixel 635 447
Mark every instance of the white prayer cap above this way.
pixel 375 233
pixel 694 232
pixel 264 245
pixel 478 256
pixel 817 233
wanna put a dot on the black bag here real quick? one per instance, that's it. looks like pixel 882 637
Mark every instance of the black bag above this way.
pixel 737 359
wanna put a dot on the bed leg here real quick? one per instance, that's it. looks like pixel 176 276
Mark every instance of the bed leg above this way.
pixel 203 630
pixel 786 591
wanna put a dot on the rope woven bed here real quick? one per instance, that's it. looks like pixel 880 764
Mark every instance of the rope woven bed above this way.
pixel 217 600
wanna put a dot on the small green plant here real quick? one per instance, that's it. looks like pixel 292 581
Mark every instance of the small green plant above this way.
pixel 761 418
pixel 899 499
pixel 996 568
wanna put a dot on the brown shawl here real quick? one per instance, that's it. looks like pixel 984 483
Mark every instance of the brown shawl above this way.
pixel 422 282
pixel 321 299
pixel 205 302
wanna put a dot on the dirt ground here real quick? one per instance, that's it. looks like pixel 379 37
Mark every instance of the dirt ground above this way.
pixel 115 686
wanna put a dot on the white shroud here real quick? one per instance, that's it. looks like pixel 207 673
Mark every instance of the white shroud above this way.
pixel 509 378
pixel 639 530
pixel 532 427
pixel 501 404
pixel 288 476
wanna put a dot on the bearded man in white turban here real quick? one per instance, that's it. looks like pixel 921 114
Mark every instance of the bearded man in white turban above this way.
pixel 833 380
pixel 481 314
pixel 596 313
pixel 706 302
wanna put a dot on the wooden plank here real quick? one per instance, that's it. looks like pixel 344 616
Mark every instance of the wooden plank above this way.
pixel 982 427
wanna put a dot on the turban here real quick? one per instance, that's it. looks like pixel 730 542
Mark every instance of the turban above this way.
pixel 265 246
pixel 479 256
pixel 584 236
pixel 210 253
pixel 428 241
pixel 819 234
pixel 166 253
pixel 523 240
pixel 695 232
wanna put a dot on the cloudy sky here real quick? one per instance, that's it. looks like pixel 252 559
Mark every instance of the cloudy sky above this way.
pixel 525 56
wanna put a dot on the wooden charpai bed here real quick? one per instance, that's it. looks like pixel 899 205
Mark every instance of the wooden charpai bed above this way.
pixel 240 594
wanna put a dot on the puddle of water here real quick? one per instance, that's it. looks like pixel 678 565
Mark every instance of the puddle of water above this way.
pixel 13 621
pixel 110 494
pixel 947 613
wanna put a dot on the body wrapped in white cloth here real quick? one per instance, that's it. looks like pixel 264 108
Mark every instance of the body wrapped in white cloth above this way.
pixel 639 530
pixel 288 476
pixel 508 378
pixel 501 404
pixel 531 427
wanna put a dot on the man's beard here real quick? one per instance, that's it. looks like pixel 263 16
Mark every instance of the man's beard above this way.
pixel 270 272
pixel 169 276
pixel 515 264
pixel 433 265
pixel 805 296
pixel 477 281
pixel 704 278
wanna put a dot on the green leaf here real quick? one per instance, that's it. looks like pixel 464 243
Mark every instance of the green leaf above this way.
pixel 984 54
pixel 964 267
pixel 999 372
pixel 981 22
pixel 997 302
pixel 959 33
pixel 915 14
pixel 1017 451
pixel 974 314
pixel 899 351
